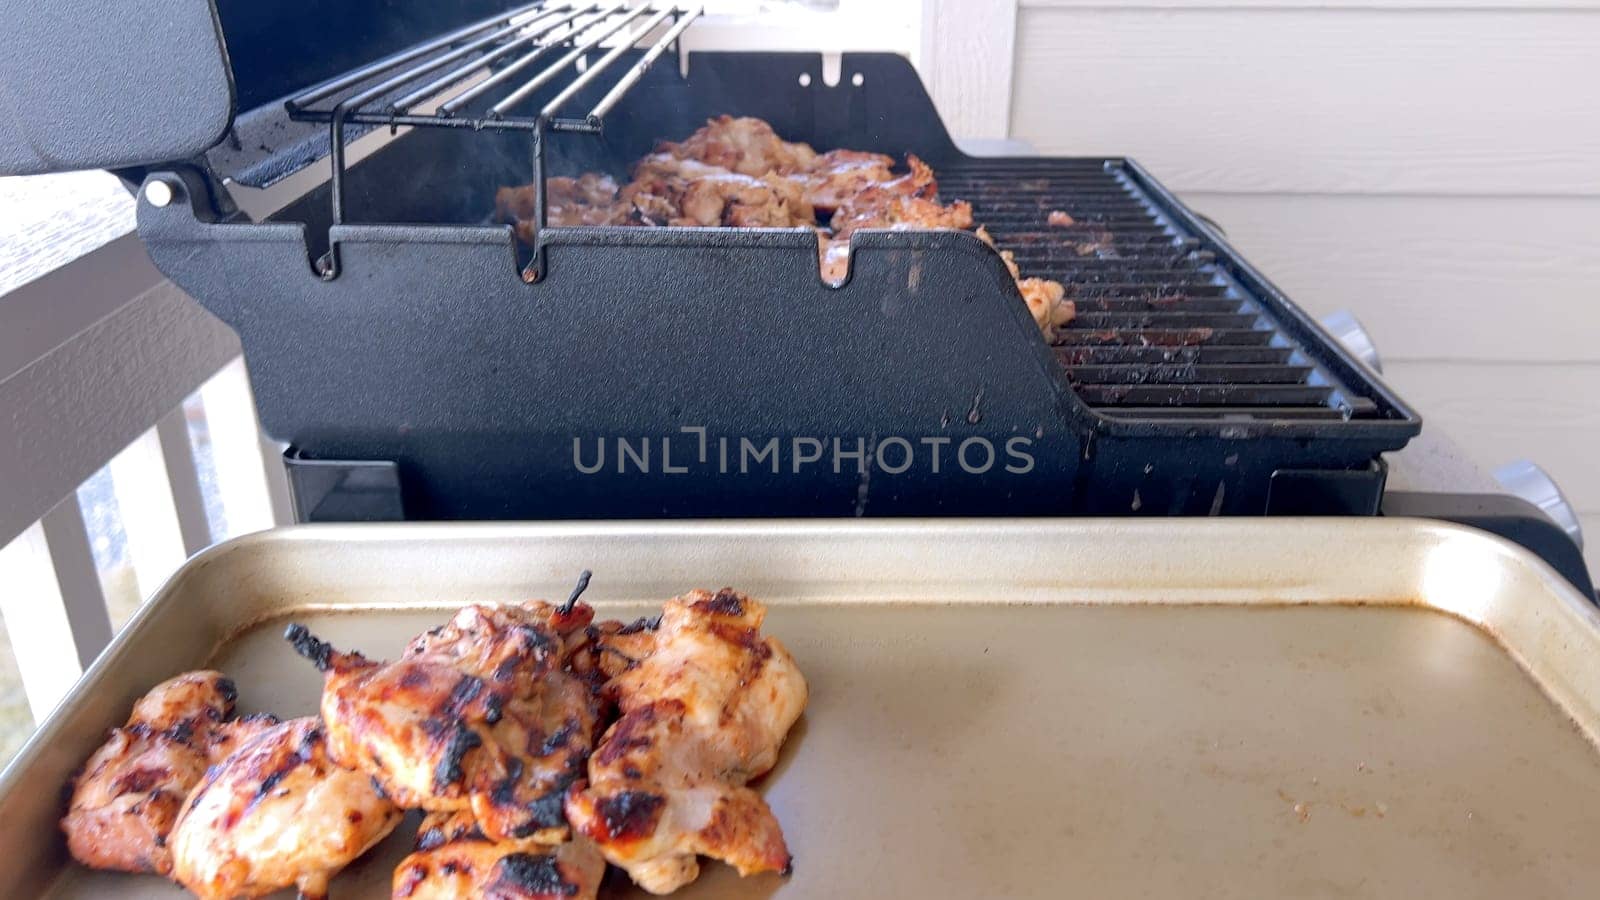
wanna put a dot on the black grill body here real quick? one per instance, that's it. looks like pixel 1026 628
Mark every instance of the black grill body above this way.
pixel 1188 385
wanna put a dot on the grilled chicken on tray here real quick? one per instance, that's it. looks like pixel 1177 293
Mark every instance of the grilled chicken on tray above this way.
pixel 705 705
pixel 128 795
pixel 476 715
pixel 737 172
pixel 277 812
pixel 540 744
pixel 454 859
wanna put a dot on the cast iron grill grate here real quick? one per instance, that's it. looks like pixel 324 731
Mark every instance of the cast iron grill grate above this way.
pixel 1161 327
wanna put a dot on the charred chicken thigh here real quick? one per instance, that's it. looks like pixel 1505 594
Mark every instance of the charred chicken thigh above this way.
pixel 454 859
pixel 277 812
pixel 128 795
pixel 705 704
pixel 475 715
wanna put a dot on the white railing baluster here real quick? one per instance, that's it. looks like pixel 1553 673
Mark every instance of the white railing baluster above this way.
pixel 237 448
pixel 184 478
pixel 277 478
pixel 77 579
pixel 144 497
pixel 36 618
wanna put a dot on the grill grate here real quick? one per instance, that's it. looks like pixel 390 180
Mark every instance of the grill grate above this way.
pixel 1161 328
pixel 478 77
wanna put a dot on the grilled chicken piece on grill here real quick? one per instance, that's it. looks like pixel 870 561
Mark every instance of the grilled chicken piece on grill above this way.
pixel 894 214
pixel 277 812
pixel 475 715
pixel 1046 299
pixel 745 145
pixel 130 791
pixel 833 178
pixel 706 702
pixel 670 190
pixel 589 199
pixel 454 859
pixel 909 202
pixel 742 201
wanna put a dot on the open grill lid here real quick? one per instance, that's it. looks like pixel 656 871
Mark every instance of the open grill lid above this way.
pixel 116 84
pixel 110 83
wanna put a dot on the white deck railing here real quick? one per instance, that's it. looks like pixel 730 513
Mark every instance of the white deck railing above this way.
pixel 97 360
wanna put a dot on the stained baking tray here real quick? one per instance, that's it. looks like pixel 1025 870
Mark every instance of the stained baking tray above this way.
pixel 1001 708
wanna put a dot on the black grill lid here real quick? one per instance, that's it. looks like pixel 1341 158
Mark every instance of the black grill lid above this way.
pixel 111 84
pixel 95 84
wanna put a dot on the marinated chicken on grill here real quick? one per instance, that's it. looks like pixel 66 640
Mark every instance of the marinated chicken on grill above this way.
pixel 705 704
pixel 278 812
pixel 737 172
pixel 475 715
pixel 1046 299
pixel 909 202
pixel 900 213
pixel 692 193
pixel 130 792
pixel 454 859
pixel 745 145
pixel 589 199
pixel 896 213
pixel 833 178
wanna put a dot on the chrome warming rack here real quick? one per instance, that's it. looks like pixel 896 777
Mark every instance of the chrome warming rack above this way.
pixel 477 78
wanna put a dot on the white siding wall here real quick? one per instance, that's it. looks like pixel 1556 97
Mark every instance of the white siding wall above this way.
pixel 1432 165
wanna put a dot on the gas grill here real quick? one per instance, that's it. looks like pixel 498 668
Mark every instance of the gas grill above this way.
pixel 423 363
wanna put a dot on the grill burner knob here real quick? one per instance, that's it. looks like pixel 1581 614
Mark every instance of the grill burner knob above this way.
pixel 1352 335
pixel 1526 480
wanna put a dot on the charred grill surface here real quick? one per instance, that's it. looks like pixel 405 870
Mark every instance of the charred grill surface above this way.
pixel 1160 325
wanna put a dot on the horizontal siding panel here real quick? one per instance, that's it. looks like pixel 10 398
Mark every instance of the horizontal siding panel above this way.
pixel 1319 100
pixel 1508 279
pixel 1497 413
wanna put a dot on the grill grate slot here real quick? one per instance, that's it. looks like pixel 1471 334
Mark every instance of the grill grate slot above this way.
pixel 1187 395
pixel 1160 327
pixel 1184 373
pixel 1092 355
pixel 1167 337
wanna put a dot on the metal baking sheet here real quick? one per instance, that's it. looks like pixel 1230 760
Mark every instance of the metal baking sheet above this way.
pixel 1228 708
